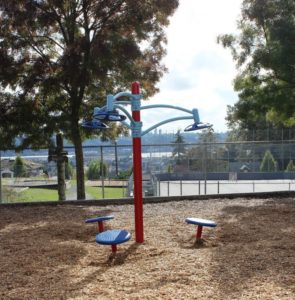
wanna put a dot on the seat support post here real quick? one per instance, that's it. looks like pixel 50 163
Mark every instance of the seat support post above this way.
pixel 100 226
pixel 199 232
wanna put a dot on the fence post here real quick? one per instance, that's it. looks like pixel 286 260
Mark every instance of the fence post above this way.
pixel 199 187
pixel 102 171
pixel 159 190
pixel 180 182
pixel 116 159
pixel 205 179
pixel 253 187
pixel 218 187
pixel 168 188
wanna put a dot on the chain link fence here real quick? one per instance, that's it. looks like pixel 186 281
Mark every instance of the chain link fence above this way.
pixel 168 169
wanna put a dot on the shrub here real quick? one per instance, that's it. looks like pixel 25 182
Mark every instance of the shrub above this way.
pixel 290 167
pixel 19 168
pixel 268 163
pixel 96 169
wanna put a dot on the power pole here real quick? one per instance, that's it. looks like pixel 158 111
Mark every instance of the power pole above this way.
pixel 58 155
pixel 61 157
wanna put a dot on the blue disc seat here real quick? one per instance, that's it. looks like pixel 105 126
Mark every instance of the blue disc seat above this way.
pixel 100 221
pixel 113 238
pixel 200 224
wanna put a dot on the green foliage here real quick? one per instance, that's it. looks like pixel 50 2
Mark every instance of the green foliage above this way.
pixel 55 55
pixel 96 169
pixel 264 52
pixel 170 169
pixel 268 163
pixel 208 136
pixel 179 149
pixel 124 174
pixel 290 167
pixel 69 170
pixel 59 59
pixel 19 168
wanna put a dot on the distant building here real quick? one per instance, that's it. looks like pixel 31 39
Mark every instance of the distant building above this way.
pixel 32 168
pixel 6 173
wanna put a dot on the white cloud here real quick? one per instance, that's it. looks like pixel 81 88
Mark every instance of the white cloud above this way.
pixel 200 71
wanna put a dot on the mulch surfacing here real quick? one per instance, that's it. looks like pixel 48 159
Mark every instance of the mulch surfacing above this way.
pixel 50 253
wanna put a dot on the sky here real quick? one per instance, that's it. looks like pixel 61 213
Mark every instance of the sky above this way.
pixel 200 71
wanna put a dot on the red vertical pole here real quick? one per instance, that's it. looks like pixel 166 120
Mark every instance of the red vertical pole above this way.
pixel 199 232
pixel 100 226
pixel 137 174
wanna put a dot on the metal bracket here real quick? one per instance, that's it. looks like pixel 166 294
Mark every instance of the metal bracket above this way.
pixel 136 129
pixel 135 102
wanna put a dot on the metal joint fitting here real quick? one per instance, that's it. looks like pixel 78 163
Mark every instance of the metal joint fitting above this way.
pixel 136 129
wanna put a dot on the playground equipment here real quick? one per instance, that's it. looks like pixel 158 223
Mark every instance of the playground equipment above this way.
pixel 200 224
pixel 94 124
pixel 113 238
pixel 110 113
pixel 99 221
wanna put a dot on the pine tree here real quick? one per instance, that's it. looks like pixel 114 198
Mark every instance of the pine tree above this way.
pixel 290 167
pixel 179 149
pixel 19 168
pixel 268 163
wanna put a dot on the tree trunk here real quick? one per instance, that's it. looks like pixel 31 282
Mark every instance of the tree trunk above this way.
pixel 79 161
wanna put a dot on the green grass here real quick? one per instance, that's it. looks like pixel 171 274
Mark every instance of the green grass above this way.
pixel 40 195
pixel 96 192
pixel 36 195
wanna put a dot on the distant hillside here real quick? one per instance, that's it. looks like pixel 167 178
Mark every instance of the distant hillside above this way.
pixel 155 138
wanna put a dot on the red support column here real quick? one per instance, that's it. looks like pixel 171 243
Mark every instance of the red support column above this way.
pixel 137 175
pixel 199 232
pixel 100 226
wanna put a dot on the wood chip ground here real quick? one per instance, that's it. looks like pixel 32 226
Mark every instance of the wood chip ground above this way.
pixel 50 253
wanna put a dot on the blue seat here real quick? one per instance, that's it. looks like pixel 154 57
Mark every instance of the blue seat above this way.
pixel 99 220
pixel 113 238
pixel 201 222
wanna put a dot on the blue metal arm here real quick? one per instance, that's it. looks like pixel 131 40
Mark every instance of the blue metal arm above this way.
pixel 123 94
pixel 166 106
pixel 165 122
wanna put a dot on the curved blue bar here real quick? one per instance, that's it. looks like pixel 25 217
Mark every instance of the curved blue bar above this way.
pixel 166 106
pixel 125 111
pixel 123 94
pixel 164 122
